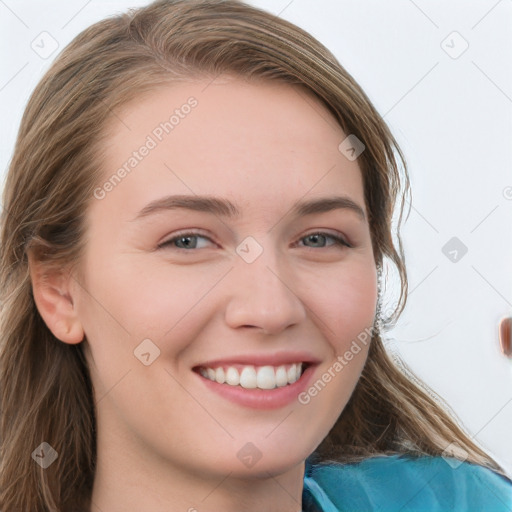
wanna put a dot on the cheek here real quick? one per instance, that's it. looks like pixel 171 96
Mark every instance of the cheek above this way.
pixel 125 303
pixel 343 307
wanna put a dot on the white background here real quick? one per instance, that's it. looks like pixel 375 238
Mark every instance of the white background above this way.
pixel 451 116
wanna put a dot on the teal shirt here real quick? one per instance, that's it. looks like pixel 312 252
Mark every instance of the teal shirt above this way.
pixel 399 483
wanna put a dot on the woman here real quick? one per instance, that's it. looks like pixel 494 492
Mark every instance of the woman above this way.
pixel 196 218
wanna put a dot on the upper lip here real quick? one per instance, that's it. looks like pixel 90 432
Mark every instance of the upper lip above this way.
pixel 276 359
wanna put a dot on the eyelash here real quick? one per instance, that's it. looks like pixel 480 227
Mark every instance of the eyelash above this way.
pixel 338 241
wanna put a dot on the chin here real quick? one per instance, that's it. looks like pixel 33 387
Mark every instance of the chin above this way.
pixel 259 460
pixel 264 469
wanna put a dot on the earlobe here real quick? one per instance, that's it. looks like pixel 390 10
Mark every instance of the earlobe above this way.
pixel 51 290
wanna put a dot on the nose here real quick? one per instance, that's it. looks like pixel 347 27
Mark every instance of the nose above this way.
pixel 506 336
pixel 263 297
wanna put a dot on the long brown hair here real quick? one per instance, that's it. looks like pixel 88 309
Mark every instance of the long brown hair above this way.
pixel 45 389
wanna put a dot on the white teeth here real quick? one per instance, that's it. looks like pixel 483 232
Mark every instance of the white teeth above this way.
pixel 292 373
pixel 232 376
pixel 266 377
pixel 251 377
pixel 219 375
pixel 281 377
pixel 248 377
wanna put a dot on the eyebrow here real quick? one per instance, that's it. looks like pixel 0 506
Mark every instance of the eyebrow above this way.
pixel 225 208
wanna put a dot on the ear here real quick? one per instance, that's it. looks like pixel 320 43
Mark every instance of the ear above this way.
pixel 51 289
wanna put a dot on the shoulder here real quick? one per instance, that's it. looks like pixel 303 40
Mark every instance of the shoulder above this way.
pixel 408 483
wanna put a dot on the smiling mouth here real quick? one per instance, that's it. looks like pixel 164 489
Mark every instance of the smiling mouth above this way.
pixel 255 377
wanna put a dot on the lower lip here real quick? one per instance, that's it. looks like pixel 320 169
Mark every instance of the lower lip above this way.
pixel 262 398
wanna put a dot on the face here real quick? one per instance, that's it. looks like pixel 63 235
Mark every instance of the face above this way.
pixel 232 248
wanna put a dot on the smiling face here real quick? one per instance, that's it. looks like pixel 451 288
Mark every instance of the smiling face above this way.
pixel 238 239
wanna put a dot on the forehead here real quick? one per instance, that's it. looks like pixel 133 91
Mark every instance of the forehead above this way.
pixel 261 143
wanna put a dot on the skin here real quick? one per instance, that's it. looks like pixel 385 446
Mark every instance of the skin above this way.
pixel 165 441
